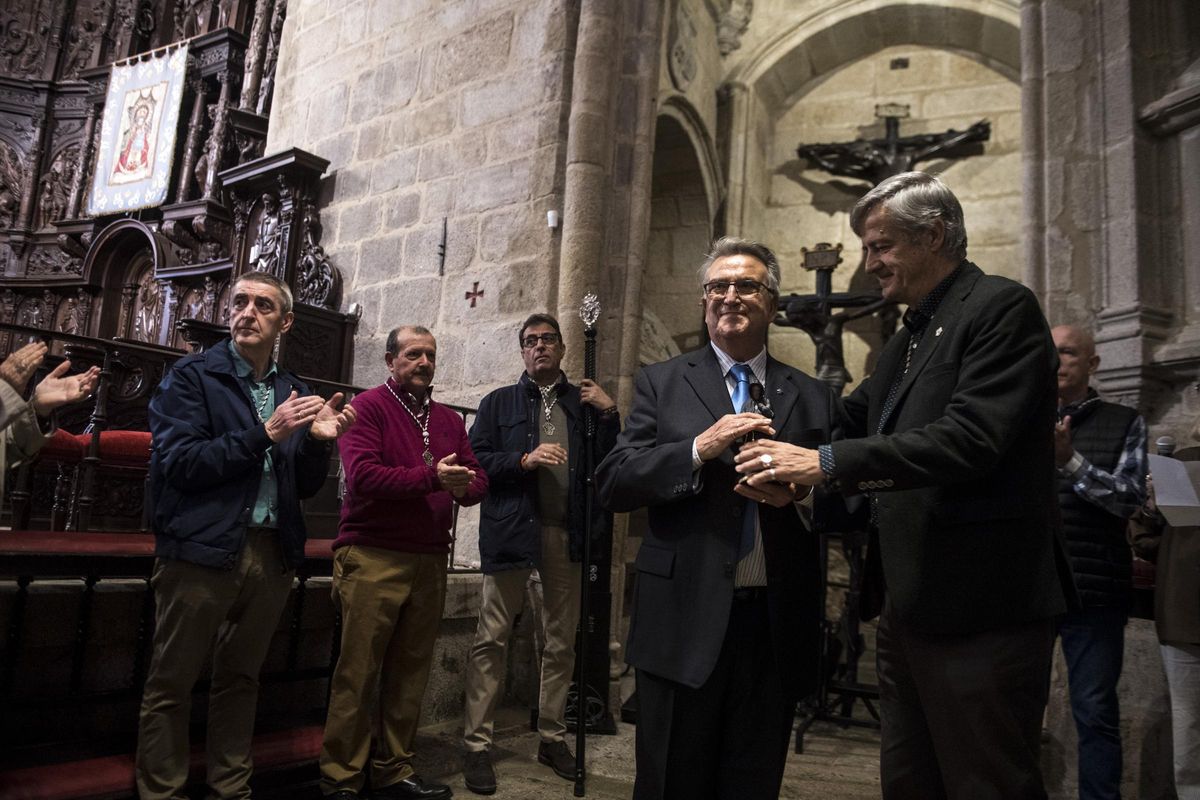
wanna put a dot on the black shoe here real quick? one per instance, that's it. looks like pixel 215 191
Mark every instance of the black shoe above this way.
pixel 557 757
pixel 413 788
pixel 478 774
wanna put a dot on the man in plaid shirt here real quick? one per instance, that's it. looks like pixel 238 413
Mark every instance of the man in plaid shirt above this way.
pixel 1100 450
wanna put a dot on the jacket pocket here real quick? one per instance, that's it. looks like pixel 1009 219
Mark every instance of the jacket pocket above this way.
pixel 655 560
pixel 513 433
pixel 501 505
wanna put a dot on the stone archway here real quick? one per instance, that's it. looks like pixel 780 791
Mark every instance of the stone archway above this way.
pixel 683 204
pixel 819 79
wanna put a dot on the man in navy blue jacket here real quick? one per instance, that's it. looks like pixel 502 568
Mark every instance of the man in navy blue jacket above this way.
pixel 237 442
pixel 529 440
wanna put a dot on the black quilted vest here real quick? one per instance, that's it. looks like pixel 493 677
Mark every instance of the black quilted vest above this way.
pixel 1099 552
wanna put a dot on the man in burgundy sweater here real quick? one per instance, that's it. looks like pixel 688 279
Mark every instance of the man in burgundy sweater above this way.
pixel 407 460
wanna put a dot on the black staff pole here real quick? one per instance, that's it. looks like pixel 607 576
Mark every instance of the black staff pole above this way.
pixel 589 312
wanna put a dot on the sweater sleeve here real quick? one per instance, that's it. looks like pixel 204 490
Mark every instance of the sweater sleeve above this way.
pixel 366 474
pixel 478 487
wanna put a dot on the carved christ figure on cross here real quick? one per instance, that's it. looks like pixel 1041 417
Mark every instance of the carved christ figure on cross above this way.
pixel 876 160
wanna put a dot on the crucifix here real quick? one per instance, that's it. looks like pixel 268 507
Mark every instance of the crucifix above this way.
pixel 875 160
pixel 812 313
pixel 474 294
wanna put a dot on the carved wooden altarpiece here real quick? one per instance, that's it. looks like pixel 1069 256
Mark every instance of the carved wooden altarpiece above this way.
pixel 159 276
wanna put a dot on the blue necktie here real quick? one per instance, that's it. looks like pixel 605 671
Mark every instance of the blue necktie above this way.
pixel 741 392
pixel 741 402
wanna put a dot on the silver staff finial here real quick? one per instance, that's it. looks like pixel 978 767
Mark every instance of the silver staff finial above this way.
pixel 589 311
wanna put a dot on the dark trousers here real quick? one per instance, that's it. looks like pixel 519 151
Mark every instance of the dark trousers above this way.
pixel 962 715
pixel 726 740
pixel 1093 643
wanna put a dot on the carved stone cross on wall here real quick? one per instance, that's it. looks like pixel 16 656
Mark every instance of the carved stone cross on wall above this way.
pixel 474 294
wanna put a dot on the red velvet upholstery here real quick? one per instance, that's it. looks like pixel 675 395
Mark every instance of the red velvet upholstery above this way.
pixel 113 775
pixel 63 447
pixel 102 543
pixel 125 448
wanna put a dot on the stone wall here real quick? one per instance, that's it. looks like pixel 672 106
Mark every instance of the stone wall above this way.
pixel 803 205
pixel 1113 147
pixel 434 113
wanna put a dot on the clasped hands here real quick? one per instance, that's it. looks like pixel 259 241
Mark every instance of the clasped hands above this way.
pixel 771 470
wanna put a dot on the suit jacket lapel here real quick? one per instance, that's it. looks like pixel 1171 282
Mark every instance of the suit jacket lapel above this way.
pixel 704 376
pixel 891 361
pixel 945 319
pixel 781 392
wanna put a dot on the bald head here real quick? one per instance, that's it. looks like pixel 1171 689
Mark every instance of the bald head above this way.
pixel 1077 362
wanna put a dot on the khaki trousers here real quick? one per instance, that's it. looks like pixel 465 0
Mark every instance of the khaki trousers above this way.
pixel 391 606
pixel 233 614
pixel 503 597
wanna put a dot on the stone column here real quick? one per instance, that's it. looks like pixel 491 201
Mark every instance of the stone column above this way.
pixel 589 155
pixel 1092 235
pixel 646 45
pixel 736 101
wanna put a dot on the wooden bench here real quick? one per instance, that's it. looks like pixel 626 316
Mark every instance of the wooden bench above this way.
pixel 82 769
pixel 112 776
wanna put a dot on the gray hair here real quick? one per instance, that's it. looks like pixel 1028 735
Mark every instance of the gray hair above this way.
pixel 268 279
pixel 733 246
pixel 393 339
pixel 915 201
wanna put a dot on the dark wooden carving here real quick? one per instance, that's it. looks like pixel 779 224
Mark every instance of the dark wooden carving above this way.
pixel 162 279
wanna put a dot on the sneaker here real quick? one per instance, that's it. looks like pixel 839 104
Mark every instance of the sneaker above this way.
pixel 478 774
pixel 557 756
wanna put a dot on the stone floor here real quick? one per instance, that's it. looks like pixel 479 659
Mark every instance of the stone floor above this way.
pixel 838 764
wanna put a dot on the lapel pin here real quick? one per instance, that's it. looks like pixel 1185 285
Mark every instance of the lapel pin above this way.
pixel 938 332
pixel 779 391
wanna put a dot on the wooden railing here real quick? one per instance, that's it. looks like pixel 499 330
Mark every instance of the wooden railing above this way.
pixel 129 372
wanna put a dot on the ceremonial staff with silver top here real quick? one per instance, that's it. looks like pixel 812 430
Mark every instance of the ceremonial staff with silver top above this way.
pixel 533 439
pixel 589 312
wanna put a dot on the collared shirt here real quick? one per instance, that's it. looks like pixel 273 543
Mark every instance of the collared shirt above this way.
pixel 262 394
pixel 752 569
pixel 916 319
pixel 1122 491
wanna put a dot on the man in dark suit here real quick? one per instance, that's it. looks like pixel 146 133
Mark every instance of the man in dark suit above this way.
pixel 725 613
pixel 954 439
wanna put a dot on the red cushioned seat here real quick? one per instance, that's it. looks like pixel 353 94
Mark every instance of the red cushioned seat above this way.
pixel 65 447
pixel 109 776
pixel 125 448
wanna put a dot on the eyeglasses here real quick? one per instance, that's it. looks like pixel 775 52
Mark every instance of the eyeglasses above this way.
pixel 548 339
pixel 744 288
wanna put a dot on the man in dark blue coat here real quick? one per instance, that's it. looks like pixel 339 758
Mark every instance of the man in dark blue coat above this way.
pixel 237 442
pixel 529 438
